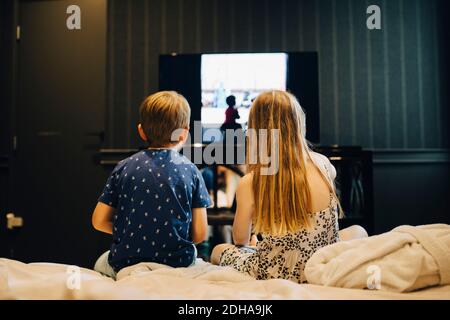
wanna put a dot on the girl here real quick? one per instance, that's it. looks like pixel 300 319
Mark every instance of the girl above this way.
pixel 295 210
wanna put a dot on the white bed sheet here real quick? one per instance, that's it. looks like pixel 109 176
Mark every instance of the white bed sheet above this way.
pixel 152 281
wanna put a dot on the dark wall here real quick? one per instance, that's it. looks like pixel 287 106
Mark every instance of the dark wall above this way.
pixel 411 187
pixel 379 89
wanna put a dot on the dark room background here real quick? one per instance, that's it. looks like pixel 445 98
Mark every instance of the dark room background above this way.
pixel 384 90
pixel 380 89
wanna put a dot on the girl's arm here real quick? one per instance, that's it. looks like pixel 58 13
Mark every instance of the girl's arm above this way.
pixel 199 225
pixel 102 218
pixel 242 225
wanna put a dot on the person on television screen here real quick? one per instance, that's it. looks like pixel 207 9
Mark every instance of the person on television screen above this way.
pixel 231 115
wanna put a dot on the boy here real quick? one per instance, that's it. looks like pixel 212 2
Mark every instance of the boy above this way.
pixel 154 203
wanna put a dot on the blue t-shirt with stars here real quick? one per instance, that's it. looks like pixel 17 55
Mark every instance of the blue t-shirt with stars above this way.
pixel 154 192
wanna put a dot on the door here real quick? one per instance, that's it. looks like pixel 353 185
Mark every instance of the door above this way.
pixel 60 114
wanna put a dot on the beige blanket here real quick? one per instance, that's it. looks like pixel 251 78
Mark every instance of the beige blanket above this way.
pixel 152 281
pixel 403 260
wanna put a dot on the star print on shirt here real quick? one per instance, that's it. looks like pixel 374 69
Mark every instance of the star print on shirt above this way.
pixel 162 217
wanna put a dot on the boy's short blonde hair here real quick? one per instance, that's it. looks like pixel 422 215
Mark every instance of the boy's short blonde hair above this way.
pixel 161 114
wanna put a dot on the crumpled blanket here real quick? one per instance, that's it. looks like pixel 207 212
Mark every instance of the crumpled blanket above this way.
pixel 402 260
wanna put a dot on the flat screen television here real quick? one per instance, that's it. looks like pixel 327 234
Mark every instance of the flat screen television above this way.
pixel 206 80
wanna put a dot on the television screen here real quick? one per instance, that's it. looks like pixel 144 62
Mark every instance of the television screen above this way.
pixel 243 76
pixel 206 80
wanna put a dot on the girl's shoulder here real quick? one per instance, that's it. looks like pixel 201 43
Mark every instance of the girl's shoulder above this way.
pixel 246 181
pixel 245 187
pixel 319 158
pixel 324 163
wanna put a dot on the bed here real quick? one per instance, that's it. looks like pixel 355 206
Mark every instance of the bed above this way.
pixel 153 281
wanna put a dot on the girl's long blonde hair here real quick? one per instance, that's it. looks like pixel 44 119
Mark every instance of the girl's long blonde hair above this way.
pixel 283 200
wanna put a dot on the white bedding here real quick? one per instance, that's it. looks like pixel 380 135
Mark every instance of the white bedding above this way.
pixel 402 260
pixel 153 281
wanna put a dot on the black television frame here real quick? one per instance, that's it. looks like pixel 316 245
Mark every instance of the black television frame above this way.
pixel 182 73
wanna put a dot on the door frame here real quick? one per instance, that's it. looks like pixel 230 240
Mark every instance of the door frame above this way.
pixel 11 9
pixel 8 94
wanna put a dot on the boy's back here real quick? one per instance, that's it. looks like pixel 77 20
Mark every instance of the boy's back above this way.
pixel 154 192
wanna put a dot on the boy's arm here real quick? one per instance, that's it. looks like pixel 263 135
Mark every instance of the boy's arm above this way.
pixel 199 225
pixel 242 225
pixel 200 201
pixel 102 218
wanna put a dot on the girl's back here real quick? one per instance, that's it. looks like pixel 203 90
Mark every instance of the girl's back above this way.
pixel 285 256
pixel 320 190
pixel 294 208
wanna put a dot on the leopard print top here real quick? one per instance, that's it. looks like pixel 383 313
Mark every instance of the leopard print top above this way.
pixel 285 257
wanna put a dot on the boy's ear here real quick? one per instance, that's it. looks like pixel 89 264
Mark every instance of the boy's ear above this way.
pixel 142 133
pixel 183 135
